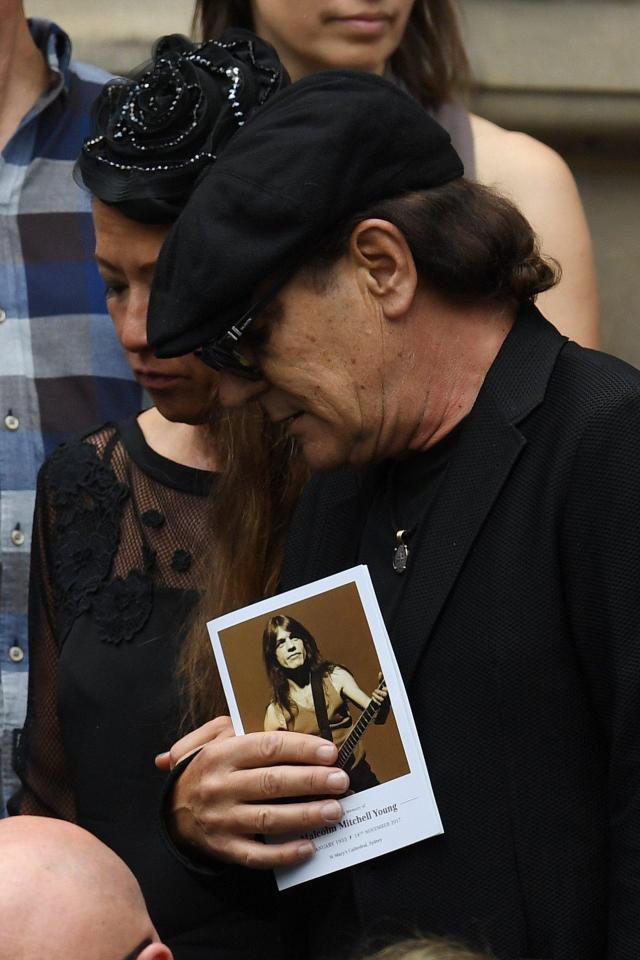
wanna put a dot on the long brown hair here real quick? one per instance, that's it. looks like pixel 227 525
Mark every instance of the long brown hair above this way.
pixel 277 674
pixel 262 476
pixel 431 60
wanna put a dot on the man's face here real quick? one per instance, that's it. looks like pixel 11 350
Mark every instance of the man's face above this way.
pixel 290 652
pixel 320 352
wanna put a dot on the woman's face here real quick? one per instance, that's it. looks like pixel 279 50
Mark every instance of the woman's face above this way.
pixel 313 35
pixel 183 389
pixel 290 652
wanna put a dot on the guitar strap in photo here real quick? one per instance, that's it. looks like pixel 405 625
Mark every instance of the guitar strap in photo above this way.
pixel 320 706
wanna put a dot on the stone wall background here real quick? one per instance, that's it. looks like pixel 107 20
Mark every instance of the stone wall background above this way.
pixel 566 71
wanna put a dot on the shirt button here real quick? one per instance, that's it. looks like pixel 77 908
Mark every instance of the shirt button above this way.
pixel 3 315
pixel 17 537
pixel 11 422
pixel 16 654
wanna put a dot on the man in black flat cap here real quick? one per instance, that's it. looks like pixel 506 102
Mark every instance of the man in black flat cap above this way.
pixel 335 266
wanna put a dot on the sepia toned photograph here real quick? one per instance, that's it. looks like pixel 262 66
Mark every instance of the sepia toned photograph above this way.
pixel 311 666
pixel 318 660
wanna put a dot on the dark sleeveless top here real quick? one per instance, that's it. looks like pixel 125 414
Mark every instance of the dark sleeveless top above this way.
pixel 455 119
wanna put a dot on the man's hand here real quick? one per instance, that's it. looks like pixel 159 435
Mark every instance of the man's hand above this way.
pixel 230 793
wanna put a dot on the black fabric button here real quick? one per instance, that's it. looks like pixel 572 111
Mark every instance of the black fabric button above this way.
pixel 181 561
pixel 153 518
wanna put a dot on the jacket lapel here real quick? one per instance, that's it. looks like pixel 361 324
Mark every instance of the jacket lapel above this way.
pixel 490 444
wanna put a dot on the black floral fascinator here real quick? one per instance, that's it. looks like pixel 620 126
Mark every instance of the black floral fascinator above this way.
pixel 156 132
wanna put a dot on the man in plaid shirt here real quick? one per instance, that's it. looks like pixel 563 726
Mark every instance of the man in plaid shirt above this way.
pixel 61 368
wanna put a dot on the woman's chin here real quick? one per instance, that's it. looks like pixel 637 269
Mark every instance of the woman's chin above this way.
pixel 177 411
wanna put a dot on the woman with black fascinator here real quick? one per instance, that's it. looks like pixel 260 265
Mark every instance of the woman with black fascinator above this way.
pixel 136 520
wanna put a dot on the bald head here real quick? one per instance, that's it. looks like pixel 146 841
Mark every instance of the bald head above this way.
pixel 429 948
pixel 64 894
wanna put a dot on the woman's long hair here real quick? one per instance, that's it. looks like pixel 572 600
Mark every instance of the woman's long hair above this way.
pixel 430 61
pixel 276 673
pixel 261 477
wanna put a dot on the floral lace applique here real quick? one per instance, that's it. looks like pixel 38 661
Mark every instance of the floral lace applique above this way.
pixel 77 479
pixel 122 609
pixel 88 500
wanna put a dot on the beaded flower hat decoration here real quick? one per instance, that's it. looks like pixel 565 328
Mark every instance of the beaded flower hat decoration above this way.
pixel 159 130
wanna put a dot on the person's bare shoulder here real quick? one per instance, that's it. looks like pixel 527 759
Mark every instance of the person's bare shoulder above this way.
pixel 508 157
pixel 540 183
pixel 339 675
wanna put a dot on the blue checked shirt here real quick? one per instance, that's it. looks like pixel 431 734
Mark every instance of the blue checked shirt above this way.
pixel 61 367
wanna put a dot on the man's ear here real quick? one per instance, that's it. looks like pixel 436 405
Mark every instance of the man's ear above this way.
pixel 380 249
pixel 156 951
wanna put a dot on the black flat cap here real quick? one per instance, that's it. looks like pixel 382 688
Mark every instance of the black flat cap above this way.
pixel 318 152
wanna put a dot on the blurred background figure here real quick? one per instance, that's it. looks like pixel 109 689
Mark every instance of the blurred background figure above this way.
pixel 66 896
pixel 418 44
pixel 428 948
pixel 61 367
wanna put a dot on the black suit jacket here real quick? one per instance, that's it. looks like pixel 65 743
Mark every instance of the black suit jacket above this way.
pixel 519 642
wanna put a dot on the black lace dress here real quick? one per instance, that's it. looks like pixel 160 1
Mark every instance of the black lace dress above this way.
pixel 118 536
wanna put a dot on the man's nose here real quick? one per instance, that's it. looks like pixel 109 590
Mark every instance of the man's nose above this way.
pixel 235 391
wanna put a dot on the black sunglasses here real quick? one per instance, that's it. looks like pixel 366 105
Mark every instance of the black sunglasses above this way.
pixel 138 950
pixel 223 353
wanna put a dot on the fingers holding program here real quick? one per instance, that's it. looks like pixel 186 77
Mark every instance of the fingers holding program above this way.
pixel 215 729
pixel 232 791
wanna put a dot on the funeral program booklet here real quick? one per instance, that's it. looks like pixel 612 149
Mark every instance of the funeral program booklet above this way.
pixel 318 660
